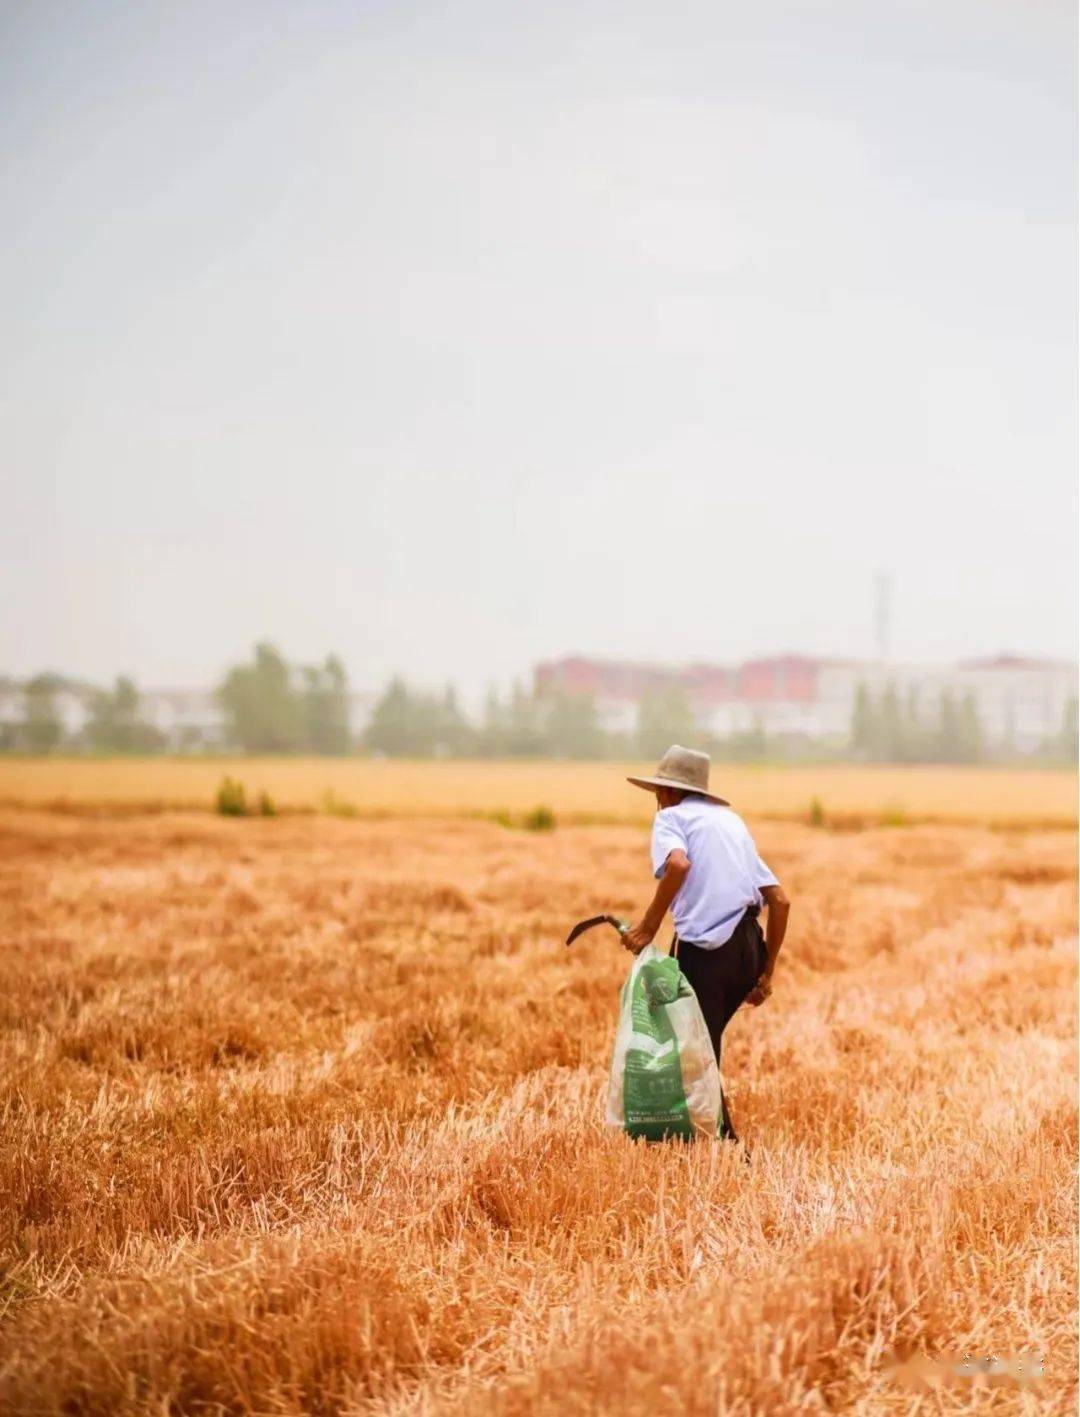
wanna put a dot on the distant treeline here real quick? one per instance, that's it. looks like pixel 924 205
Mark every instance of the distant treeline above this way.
pixel 410 724
pixel 263 706
pixel 268 706
pixel 113 725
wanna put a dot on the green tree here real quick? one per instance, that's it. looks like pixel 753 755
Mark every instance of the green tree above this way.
pixel 491 739
pixel 664 717
pixel 326 708
pixel 864 724
pixel 891 745
pixel 573 730
pixel 1070 730
pixel 1007 749
pixel 524 731
pixel 971 738
pixel 949 745
pixel 453 733
pixel 115 725
pixel 264 712
pixel 748 745
pixel 41 727
pixel 391 728
pixel 914 736
pixel 406 723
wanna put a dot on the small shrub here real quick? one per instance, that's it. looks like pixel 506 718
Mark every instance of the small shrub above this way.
pixel 816 815
pixel 231 799
pixel 335 806
pixel 894 816
pixel 266 806
pixel 503 819
pixel 540 819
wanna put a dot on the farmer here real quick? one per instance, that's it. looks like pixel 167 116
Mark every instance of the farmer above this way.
pixel 715 883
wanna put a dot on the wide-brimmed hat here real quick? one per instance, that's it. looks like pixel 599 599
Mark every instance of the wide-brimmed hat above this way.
pixel 684 768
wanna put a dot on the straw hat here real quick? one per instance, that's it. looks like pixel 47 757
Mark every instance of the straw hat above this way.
pixel 684 768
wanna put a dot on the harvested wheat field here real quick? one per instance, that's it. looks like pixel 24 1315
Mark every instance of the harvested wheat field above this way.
pixel 577 792
pixel 302 1116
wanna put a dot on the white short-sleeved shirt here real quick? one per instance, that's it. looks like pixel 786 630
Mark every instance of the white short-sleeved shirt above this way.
pixel 726 873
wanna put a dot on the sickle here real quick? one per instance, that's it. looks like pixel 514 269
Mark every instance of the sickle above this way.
pixel 583 925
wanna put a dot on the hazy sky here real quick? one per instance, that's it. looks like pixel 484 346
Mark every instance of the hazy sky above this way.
pixel 454 336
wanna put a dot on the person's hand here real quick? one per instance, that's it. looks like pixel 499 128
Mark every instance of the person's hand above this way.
pixel 760 992
pixel 636 938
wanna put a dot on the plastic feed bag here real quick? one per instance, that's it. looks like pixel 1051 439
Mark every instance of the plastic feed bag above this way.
pixel 664 1078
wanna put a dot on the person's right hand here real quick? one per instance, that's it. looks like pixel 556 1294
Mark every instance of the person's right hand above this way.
pixel 636 938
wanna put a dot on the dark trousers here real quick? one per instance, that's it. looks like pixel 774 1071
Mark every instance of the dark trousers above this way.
pixel 721 978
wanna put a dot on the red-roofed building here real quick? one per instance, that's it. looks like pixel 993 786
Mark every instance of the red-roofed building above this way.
pixel 781 693
pixel 1021 701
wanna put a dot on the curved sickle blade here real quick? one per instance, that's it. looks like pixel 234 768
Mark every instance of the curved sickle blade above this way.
pixel 583 925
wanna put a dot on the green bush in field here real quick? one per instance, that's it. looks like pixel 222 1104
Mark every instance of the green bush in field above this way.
pixel 816 815
pixel 231 800
pixel 540 819
pixel 266 806
pixel 335 806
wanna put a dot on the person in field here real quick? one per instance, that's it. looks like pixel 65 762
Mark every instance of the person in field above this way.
pixel 715 884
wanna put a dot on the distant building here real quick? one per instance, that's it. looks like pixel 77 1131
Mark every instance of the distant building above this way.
pixel 1021 702
pixel 783 695
pixel 361 708
pixel 72 707
pixel 615 687
pixel 189 720
pixel 71 703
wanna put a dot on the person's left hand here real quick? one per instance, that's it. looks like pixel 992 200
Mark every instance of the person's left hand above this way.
pixel 760 992
pixel 636 938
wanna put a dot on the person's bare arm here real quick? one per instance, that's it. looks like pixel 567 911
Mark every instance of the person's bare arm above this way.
pixel 778 907
pixel 676 871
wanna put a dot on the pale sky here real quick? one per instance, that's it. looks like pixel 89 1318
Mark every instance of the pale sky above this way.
pixel 456 336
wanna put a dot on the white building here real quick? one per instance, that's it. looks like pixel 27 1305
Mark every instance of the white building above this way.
pixel 190 720
pixel 616 715
pixel 70 703
pixel 361 708
pixel 1021 702
pixel 72 708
